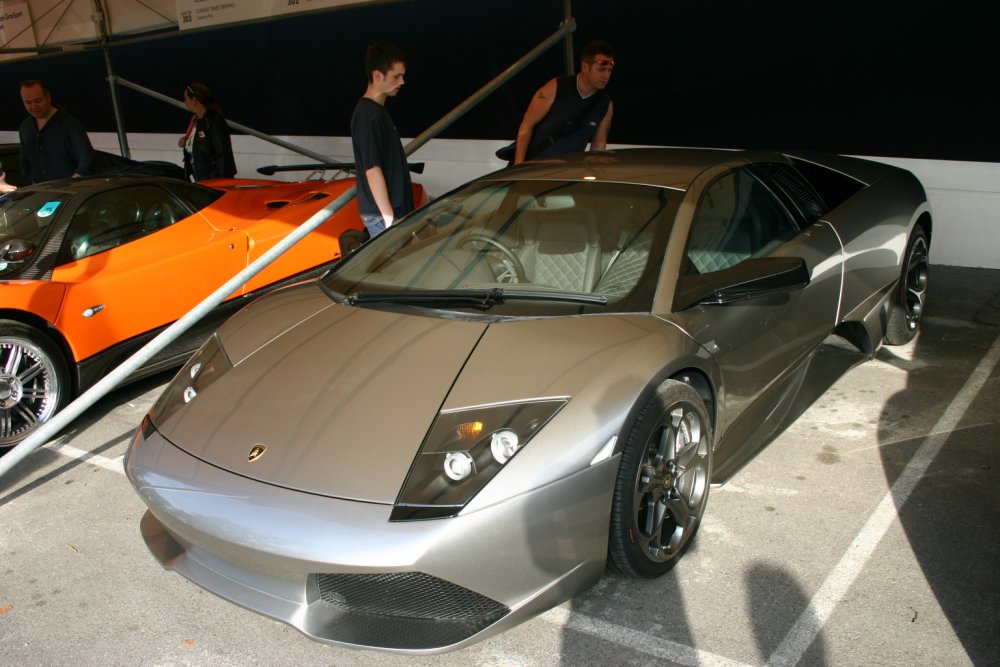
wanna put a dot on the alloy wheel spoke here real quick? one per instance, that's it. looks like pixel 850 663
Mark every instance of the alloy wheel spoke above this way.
pixel 35 393
pixel 679 510
pixel 664 447
pixel 31 373
pixel 648 516
pixel 27 416
pixel 688 455
pixel 13 360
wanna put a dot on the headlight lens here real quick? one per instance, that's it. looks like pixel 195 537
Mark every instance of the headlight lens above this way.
pixel 204 367
pixel 463 450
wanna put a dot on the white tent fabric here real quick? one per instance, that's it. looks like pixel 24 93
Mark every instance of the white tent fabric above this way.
pixel 57 23
pixel 26 25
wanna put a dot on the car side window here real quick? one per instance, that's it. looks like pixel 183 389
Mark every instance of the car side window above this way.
pixel 116 217
pixel 737 218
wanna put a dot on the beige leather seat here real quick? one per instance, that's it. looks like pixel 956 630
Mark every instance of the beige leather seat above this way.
pixel 562 249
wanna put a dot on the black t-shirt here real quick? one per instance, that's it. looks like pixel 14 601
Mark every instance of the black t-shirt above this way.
pixel 376 144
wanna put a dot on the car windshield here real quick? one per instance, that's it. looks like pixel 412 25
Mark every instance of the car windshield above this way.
pixel 531 248
pixel 26 216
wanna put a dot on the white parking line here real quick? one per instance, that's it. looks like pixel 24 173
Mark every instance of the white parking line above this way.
pixel 636 640
pixel 824 602
pixel 114 465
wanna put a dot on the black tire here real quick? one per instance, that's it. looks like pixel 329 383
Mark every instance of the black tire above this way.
pixel 663 483
pixel 911 295
pixel 34 381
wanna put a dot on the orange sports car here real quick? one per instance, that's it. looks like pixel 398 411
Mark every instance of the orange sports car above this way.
pixel 93 268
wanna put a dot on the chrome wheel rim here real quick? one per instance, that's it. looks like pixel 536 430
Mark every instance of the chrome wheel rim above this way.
pixel 672 484
pixel 915 283
pixel 29 389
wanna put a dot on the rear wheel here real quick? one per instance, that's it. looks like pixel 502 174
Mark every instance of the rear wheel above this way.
pixel 663 483
pixel 908 307
pixel 33 381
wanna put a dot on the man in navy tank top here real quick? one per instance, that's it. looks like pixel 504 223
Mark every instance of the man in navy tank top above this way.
pixel 569 112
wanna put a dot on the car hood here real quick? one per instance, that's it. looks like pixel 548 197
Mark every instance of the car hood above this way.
pixel 342 397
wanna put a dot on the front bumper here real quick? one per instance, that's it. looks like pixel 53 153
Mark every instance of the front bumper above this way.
pixel 341 573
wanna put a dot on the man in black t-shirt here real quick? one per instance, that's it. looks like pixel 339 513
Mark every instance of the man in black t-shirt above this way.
pixel 384 190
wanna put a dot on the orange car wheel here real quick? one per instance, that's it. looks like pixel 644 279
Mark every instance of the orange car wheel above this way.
pixel 34 381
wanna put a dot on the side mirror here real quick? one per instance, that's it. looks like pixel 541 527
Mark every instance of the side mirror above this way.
pixel 16 251
pixel 750 279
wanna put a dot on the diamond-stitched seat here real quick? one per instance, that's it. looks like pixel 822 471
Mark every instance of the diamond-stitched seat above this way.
pixel 561 249
pixel 707 261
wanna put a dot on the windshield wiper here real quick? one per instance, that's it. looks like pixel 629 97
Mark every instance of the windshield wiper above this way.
pixel 474 298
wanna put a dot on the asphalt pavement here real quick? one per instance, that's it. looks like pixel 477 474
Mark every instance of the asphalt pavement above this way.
pixel 867 533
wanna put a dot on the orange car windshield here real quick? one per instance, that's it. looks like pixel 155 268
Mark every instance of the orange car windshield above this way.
pixel 29 215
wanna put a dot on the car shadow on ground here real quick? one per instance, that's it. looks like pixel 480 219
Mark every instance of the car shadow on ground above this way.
pixel 44 457
pixel 950 514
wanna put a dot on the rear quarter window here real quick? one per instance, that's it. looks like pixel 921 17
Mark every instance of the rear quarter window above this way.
pixel 834 187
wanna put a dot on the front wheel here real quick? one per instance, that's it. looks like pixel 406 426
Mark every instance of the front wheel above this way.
pixel 33 381
pixel 663 482
pixel 911 296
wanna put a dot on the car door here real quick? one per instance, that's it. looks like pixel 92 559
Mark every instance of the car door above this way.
pixel 135 258
pixel 758 342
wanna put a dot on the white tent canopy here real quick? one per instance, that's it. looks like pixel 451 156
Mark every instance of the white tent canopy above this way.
pixel 31 26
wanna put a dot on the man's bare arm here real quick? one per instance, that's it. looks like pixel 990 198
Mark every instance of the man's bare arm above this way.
pixel 540 105
pixel 380 193
pixel 600 140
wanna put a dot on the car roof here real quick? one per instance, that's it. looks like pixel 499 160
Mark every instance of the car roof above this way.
pixel 665 167
pixel 86 184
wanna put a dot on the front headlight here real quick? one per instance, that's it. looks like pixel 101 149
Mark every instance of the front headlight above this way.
pixel 463 450
pixel 204 367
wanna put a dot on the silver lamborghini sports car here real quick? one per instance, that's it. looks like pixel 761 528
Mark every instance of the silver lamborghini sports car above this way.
pixel 535 376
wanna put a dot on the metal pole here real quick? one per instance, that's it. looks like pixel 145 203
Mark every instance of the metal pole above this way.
pixel 149 350
pixel 568 44
pixel 453 115
pixel 101 19
pixel 116 105
pixel 236 126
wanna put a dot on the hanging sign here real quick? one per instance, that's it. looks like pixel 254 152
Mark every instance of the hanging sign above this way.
pixel 15 28
pixel 206 13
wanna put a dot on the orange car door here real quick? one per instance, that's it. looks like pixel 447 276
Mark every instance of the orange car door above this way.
pixel 135 259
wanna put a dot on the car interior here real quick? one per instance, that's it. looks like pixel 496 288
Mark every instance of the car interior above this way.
pixel 110 219
pixel 580 238
pixel 737 218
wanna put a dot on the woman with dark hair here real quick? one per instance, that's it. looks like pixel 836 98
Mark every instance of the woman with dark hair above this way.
pixel 208 150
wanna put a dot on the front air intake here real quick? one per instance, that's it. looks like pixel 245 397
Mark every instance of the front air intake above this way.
pixel 405 610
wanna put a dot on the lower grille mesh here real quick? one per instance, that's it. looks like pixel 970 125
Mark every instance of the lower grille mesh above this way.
pixel 407 594
pixel 399 610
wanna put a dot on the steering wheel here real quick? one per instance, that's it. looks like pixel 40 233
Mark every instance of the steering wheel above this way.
pixel 513 271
